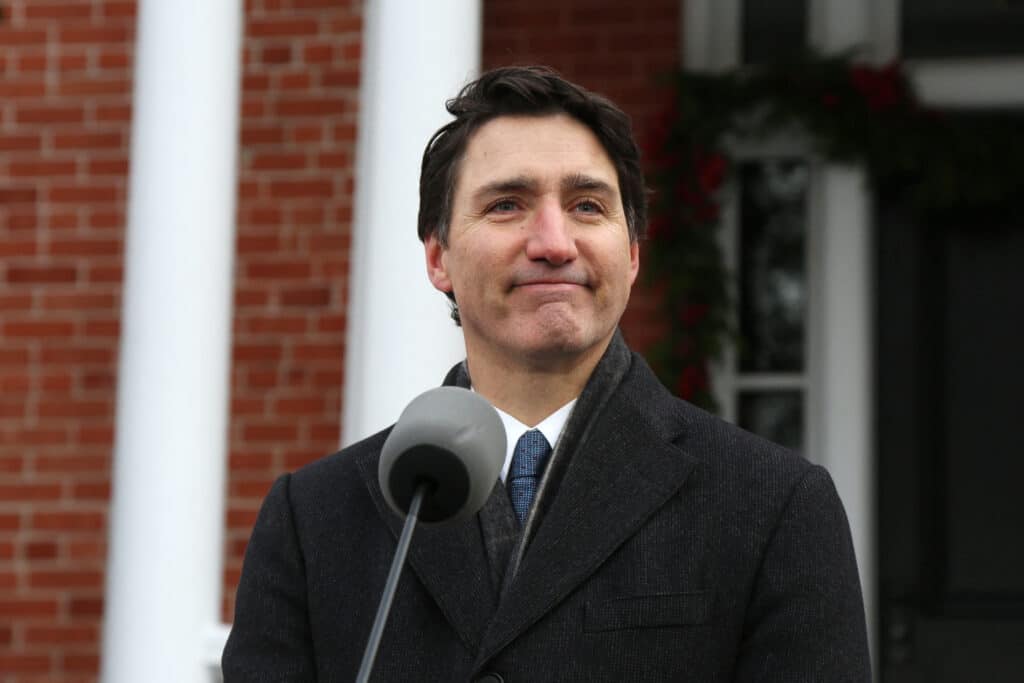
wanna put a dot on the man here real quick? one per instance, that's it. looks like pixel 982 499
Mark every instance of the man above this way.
pixel 660 543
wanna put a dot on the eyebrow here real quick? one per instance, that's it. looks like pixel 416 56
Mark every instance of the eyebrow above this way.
pixel 581 181
pixel 509 185
pixel 572 183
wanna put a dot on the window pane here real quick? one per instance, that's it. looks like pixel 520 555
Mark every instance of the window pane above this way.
pixel 773 30
pixel 776 415
pixel 773 277
pixel 962 28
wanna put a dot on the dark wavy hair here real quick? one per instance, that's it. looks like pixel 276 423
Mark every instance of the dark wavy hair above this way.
pixel 525 91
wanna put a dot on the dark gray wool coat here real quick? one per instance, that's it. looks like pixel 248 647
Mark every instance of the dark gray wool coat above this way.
pixel 664 545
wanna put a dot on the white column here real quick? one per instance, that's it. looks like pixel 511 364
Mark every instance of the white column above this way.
pixel 400 340
pixel 845 370
pixel 164 569
pixel 845 309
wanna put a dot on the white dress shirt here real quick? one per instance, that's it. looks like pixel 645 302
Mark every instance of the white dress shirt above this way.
pixel 551 427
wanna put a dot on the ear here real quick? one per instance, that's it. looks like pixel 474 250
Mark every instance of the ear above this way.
pixel 436 269
pixel 634 261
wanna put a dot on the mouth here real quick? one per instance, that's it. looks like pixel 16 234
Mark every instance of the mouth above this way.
pixel 550 281
pixel 549 291
pixel 556 289
pixel 548 285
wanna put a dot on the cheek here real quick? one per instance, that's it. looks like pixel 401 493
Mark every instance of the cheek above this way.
pixel 481 261
pixel 468 271
pixel 615 262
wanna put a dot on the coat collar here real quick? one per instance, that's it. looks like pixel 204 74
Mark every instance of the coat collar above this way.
pixel 622 471
pixel 623 468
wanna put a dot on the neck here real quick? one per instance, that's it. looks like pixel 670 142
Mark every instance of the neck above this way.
pixel 530 391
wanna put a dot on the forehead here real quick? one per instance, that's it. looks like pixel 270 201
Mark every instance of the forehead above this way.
pixel 544 148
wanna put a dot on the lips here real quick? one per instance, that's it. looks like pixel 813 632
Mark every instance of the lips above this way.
pixel 568 278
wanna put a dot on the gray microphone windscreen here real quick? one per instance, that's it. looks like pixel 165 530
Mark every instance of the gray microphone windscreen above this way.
pixel 450 438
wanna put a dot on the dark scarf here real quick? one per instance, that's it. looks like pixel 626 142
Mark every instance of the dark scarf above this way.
pixel 504 541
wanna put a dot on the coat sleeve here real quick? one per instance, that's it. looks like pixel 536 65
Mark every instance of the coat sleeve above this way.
pixel 270 638
pixel 805 621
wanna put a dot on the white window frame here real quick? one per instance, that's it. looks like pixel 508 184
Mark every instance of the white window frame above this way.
pixel 728 382
pixel 839 370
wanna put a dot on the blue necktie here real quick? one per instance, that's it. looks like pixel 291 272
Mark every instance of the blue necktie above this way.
pixel 528 460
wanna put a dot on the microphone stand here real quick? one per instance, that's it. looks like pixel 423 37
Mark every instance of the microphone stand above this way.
pixel 384 608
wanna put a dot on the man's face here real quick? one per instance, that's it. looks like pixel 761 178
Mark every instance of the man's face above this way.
pixel 539 256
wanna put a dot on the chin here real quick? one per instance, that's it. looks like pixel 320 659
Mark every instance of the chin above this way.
pixel 559 343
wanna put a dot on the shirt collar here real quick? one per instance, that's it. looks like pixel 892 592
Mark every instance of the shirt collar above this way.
pixel 551 427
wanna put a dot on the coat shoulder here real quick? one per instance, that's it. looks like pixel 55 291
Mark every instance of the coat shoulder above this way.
pixel 339 476
pixel 727 454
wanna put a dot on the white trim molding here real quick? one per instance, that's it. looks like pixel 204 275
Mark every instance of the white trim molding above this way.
pixel 977 83
pixel 711 39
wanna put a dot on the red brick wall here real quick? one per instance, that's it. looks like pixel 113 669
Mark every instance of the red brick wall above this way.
pixel 299 117
pixel 65 96
pixel 619 49
pixel 65 85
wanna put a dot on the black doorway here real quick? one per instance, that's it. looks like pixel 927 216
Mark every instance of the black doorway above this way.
pixel 950 387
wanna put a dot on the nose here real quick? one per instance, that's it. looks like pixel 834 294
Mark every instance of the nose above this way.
pixel 550 235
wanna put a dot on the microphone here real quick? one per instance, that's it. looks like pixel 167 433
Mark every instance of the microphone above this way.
pixel 438 464
pixel 452 440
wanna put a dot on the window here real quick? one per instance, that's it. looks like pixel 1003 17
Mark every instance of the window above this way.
pixel 773 30
pixel 768 370
pixel 946 29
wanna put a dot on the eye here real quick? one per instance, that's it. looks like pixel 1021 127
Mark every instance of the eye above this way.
pixel 504 206
pixel 588 206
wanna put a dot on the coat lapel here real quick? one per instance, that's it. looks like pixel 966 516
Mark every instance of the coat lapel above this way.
pixel 501 533
pixel 449 560
pixel 618 477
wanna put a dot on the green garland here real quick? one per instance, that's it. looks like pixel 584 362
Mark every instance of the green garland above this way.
pixel 937 162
